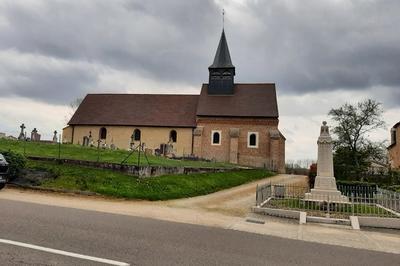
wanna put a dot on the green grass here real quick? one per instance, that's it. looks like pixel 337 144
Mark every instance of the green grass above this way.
pixel 69 151
pixel 117 184
pixel 335 209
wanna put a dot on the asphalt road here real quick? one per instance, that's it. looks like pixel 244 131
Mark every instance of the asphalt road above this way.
pixel 142 241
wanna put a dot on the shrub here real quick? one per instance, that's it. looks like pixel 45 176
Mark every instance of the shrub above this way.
pixel 312 173
pixel 16 163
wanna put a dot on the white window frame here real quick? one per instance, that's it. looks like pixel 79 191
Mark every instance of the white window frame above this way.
pixel 212 137
pixel 248 140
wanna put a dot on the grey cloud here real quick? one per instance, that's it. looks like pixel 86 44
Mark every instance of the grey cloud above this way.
pixel 303 46
pixel 36 77
pixel 328 45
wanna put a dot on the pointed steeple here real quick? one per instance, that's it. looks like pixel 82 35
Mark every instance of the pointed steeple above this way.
pixel 222 71
pixel 222 56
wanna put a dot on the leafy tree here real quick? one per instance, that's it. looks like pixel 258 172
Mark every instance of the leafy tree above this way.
pixel 353 149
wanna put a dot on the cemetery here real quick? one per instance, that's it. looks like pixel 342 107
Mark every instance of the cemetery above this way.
pixel 53 166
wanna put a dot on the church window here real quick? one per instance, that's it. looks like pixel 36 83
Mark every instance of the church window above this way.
pixel 173 136
pixel 252 140
pixel 216 137
pixel 103 133
pixel 136 135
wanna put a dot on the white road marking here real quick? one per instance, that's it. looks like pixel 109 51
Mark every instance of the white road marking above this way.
pixel 64 253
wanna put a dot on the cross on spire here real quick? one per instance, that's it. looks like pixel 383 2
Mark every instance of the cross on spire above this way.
pixel 223 18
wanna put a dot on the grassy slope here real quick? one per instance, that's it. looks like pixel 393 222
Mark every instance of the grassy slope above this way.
pixel 91 154
pixel 112 183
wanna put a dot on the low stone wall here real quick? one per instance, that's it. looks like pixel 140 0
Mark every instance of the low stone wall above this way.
pixel 292 214
pixel 379 222
pixel 141 171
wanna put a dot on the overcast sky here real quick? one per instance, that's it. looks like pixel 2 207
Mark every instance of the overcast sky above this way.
pixel 320 54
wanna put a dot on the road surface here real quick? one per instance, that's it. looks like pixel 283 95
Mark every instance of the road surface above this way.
pixel 85 237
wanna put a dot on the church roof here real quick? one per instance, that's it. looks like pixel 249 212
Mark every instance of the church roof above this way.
pixel 248 100
pixel 137 110
pixel 222 57
pixel 256 100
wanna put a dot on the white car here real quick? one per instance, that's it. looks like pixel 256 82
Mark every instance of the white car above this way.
pixel 3 171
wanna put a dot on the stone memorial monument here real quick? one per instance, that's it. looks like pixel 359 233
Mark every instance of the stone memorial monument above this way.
pixel 325 182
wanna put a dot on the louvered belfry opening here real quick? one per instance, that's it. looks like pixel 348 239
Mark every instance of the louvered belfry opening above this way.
pixel 222 71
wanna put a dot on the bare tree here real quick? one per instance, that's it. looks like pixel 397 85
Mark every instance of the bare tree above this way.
pixel 73 106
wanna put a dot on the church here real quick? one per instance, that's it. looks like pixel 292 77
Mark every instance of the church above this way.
pixel 227 122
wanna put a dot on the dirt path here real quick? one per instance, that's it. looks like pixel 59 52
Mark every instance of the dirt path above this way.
pixel 236 201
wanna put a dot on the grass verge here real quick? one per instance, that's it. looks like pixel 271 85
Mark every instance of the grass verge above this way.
pixel 116 184
pixel 341 210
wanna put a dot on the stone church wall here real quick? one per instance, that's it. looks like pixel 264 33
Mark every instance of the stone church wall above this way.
pixel 120 136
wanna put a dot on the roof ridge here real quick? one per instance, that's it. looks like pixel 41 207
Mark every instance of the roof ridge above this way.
pixel 158 94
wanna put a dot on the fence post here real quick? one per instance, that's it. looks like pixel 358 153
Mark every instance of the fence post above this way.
pixel 352 203
pixel 59 147
pixel 257 195
pixel 328 207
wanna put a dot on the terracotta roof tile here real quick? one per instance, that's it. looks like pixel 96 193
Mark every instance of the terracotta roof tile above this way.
pixel 165 110
pixel 137 109
pixel 248 100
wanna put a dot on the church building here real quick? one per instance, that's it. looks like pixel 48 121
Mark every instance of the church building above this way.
pixel 228 121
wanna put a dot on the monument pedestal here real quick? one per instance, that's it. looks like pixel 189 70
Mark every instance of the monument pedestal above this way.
pixel 325 190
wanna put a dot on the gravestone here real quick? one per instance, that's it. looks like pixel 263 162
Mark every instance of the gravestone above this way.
pixel 22 133
pixel 85 141
pixel 55 136
pixel 35 136
pixel 325 182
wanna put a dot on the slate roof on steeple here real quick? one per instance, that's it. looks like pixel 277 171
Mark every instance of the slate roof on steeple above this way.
pixel 222 57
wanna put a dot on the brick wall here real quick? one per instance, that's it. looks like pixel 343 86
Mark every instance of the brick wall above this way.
pixel 394 152
pixel 270 151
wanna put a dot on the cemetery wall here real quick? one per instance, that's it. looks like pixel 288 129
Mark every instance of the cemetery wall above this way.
pixel 142 171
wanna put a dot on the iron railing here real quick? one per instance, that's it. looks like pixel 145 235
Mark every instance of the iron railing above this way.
pixel 381 203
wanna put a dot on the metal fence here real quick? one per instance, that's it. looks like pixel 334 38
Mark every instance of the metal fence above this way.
pixel 382 203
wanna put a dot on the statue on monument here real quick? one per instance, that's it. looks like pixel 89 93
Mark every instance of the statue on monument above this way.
pixel 325 183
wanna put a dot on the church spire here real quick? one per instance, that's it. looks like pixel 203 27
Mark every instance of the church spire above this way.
pixel 222 56
pixel 222 70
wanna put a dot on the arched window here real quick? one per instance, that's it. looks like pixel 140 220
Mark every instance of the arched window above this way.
pixel 136 135
pixel 103 133
pixel 215 137
pixel 173 136
pixel 252 141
